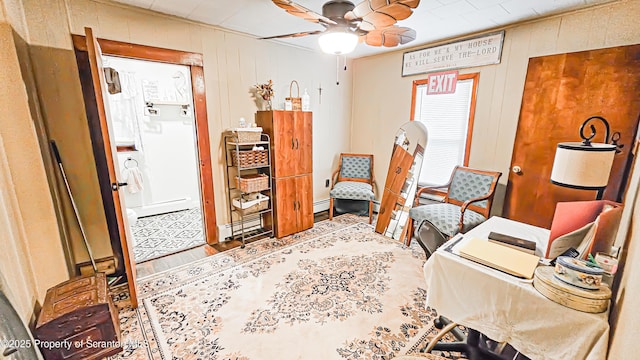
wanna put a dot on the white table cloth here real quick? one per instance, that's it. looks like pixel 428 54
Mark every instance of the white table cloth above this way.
pixel 506 308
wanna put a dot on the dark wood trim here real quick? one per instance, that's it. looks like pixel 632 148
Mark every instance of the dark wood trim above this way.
pixel 472 112
pixel 204 155
pixel 414 89
pixel 142 52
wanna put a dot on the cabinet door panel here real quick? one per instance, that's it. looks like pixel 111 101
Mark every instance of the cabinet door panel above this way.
pixel 285 152
pixel 400 164
pixel 304 188
pixel 386 210
pixel 286 222
pixel 304 142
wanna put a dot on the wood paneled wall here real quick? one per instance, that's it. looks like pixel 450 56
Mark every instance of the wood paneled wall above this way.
pixel 233 64
pixel 381 103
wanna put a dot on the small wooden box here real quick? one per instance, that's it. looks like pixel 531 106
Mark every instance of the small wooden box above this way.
pixel 591 301
pixel 79 321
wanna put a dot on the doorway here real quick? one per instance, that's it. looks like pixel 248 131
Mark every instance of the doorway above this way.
pixel 152 119
pixel 89 52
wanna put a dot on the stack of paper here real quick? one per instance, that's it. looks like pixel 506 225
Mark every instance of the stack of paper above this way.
pixel 511 261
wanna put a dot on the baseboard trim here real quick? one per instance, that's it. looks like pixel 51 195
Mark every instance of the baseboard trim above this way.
pixel 321 205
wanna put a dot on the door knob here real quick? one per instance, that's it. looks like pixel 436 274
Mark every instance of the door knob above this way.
pixel 116 185
pixel 517 170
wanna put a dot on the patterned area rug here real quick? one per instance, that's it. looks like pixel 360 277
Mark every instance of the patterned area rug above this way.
pixel 159 235
pixel 336 291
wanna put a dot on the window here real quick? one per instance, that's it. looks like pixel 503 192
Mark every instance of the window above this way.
pixel 449 121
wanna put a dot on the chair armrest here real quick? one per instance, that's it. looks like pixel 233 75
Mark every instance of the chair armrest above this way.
pixel 466 204
pixel 334 178
pixel 427 189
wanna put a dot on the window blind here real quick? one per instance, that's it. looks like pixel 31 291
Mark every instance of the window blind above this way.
pixel 446 117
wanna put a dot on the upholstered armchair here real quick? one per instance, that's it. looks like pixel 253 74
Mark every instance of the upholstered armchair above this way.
pixel 353 180
pixel 467 203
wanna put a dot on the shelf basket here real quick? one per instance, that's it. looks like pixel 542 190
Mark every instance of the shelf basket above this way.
pixel 249 158
pixel 247 135
pixel 252 183
pixel 251 203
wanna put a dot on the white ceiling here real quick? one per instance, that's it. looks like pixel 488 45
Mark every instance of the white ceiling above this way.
pixel 433 20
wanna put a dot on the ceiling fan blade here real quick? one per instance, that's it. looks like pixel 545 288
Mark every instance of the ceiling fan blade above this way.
pixel 389 37
pixel 294 35
pixel 378 14
pixel 302 12
pixel 376 20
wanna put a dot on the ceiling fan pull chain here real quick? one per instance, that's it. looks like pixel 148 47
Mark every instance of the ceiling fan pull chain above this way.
pixel 337 70
pixel 344 57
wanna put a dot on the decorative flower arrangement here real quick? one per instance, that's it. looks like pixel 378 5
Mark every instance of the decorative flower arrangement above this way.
pixel 266 92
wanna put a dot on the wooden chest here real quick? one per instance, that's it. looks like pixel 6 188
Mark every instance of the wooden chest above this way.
pixel 78 321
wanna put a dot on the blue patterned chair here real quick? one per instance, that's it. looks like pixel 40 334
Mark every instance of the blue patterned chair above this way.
pixel 353 180
pixel 467 203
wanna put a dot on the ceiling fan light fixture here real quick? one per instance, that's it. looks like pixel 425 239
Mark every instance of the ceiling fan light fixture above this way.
pixel 338 42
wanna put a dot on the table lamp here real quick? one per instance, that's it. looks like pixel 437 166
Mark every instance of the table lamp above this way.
pixel 586 165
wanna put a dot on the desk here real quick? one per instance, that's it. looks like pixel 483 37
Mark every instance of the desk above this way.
pixel 506 308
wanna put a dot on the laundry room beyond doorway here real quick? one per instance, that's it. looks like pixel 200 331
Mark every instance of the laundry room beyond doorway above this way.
pixel 153 125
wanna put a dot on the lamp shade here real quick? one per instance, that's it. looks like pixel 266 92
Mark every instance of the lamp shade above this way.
pixel 338 42
pixel 581 166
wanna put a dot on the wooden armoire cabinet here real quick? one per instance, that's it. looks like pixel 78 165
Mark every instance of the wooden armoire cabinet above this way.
pixel 291 144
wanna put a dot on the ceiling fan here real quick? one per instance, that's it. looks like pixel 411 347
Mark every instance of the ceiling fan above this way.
pixel 371 22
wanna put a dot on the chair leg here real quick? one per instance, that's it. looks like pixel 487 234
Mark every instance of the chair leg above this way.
pixel 407 241
pixel 330 208
pixel 370 211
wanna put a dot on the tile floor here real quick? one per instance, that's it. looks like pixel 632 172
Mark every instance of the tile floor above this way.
pixel 163 234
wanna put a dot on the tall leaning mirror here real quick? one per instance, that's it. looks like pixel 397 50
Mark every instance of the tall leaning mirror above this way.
pixel 402 180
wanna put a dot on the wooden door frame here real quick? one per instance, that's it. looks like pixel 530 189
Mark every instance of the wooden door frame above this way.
pixel 195 63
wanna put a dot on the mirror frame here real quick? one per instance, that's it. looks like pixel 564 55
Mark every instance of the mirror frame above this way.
pixel 402 181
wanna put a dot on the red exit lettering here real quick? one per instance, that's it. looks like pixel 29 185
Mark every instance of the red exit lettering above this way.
pixel 442 82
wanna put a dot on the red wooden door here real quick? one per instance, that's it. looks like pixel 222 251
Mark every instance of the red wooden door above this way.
pixel 561 91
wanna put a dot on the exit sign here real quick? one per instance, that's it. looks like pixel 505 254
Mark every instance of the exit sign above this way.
pixel 442 82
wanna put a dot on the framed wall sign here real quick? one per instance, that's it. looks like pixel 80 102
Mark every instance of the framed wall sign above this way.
pixel 477 51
